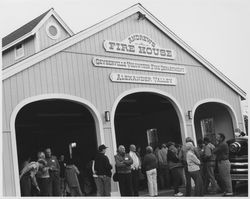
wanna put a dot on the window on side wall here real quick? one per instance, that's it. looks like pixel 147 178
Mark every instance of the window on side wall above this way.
pixel 19 51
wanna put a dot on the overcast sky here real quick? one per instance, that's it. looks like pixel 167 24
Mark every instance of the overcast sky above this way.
pixel 219 30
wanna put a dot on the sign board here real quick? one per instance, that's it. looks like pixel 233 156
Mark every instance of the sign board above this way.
pixel 138 44
pixel 152 137
pixel 137 65
pixel 143 79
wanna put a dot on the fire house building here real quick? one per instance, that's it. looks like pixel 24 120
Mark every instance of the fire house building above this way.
pixel 126 80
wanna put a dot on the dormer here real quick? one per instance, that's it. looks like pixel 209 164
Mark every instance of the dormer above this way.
pixel 38 34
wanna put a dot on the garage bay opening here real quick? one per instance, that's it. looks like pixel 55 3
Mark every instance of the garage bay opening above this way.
pixel 211 118
pixel 146 119
pixel 63 126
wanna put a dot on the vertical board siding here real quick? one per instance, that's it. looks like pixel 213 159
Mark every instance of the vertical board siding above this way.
pixel 72 72
pixel 8 167
pixel 110 153
pixel 45 40
pixel 8 57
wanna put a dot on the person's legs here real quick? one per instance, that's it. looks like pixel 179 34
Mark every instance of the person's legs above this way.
pixel 122 185
pixel 73 191
pixel 25 184
pixel 99 186
pixel 188 182
pixel 107 186
pixel 167 177
pixel 135 182
pixel 79 191
pixel 160 177
pixel 211 177
pixel 175 179
pixel 44 185
pixel 224 171
pixel 56 184
pixel 150 182
pixel 128 184
pixel 154 182
pixel 198 183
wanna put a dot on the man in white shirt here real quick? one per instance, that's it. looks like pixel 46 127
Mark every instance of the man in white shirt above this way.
pixel 135 169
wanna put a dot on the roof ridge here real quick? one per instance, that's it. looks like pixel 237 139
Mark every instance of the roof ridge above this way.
pixel 7 72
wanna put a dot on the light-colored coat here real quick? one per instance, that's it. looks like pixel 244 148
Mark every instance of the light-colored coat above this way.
pixel 192 161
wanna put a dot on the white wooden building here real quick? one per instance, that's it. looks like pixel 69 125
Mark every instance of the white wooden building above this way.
pixel 109 84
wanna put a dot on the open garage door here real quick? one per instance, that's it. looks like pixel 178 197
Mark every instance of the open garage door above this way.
pixel 211 118
pixel 56 123
pixel 145 117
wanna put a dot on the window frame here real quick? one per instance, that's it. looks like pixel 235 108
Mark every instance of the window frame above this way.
pixel 21 49
pixel 54 37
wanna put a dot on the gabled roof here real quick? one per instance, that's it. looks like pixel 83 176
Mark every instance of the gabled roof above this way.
pixel 22 65
pixel 30 29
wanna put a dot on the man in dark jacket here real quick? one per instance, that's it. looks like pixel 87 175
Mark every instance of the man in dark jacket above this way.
pixel 102 169
pixel 150 163
pixel 222 157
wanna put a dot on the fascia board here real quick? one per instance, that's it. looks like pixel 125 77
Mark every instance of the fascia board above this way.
pixel 61 22
pixel 106 23
pixel 191 51
pixel 65 26
pixel 26 63
pixel 18 40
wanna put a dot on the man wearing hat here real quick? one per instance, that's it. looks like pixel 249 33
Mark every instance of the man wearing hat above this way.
pixel 102 169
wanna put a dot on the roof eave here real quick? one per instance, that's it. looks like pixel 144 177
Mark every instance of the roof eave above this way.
pixel 37 27
pixel 18 41
pixel 106 23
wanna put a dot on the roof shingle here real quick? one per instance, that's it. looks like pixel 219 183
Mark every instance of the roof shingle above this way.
pixel 22 30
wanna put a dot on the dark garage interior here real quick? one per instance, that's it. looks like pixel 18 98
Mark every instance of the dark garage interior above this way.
pixel 220 121
pixel 56 124
pixel 138 112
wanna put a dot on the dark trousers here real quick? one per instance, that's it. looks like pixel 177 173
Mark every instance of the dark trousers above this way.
pixel 55 189
pixel 135 182
pixel 125 184
pixel 75 191
pixel 176 179
pixel 209 177
pixel 25 184
pixel 188 182
pixel 164 178
pixel 103 185
pixel 196 175
pixel 224 172
pixel 45 186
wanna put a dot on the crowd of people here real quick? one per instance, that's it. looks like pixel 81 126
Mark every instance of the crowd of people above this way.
pixel 167 166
